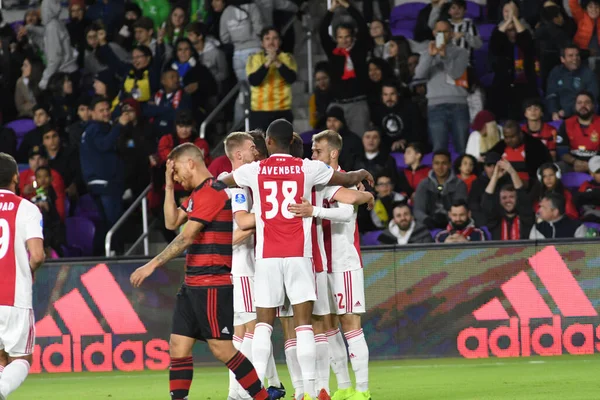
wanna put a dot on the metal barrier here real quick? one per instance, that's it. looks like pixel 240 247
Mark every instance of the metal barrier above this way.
pixel 224 101
pixel 141 199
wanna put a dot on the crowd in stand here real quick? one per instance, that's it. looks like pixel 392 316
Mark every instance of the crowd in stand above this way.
pixel 458 155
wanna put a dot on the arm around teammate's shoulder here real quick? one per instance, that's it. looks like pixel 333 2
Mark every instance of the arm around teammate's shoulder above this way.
pixel 352 178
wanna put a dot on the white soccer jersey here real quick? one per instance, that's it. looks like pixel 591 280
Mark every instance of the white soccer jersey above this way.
pixel 277 182
pixel 242 260
pixel 20 220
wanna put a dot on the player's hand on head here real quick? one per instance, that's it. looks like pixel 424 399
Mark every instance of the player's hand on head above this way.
pixel 169 173
pixel 303 210
pixel 140 274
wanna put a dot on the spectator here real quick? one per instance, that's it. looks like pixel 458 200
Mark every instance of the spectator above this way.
pixel 385 198
pixel 379 35
pixel 447 108
pixel 124 35
pixel 209 52
pixel 588 197
pixel 157 10
pixel 144 36
pixel 62 159
pixel 525 153
pixel 240 26
pixel 195 78
pixel 384 10
pixel 397 118
pixel 461 227
pixel 39 158
pixel 61 99
pixel 106 85
pixel 485 135
pixel 513 54
pixel 271 74
pixel 550 37
pixel 93 64
pixel 176 23
pixel 41 116
pixel 321 97
pixel 480 184
pixel 398 51
pixel 75 130
pixel 553 223
pixel 580 134
pixel 102 168
pixel 27 91
pixel 379 72
pixel 110 12
pixel 566 81
pixel 534 126
pixel 211 15
pixel 76 27
pixel 59 55
pixel 465 168
pixel 403 229
pixel 549 180
pixel 508 213
pixel 434 195
pixel 586 37
pixel 46 200
pixel 353 147
pixel 427 18
pixel 348 66
pixel 414 172
pixel 168 101
pixel 375 158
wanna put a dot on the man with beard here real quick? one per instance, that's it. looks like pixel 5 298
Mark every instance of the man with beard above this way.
pixel 398 120
pixel 513 217
pixel 580 134
pixel 403 229
pixel 461 227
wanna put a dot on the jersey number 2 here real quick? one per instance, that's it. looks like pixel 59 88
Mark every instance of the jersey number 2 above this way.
pixel 289 190
pixel 4 237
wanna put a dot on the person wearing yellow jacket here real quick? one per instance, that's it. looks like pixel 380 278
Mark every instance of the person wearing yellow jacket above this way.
pixel 271 73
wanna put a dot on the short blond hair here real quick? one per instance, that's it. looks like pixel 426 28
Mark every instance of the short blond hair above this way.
pixel 334 140
pixel 235 140
pixel 297 146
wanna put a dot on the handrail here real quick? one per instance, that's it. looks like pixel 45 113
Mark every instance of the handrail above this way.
pixel 224 101
pixel 144 236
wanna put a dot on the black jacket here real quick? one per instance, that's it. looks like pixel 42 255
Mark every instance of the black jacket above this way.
pixel 549 39
pixel 503 58
pixel 422 30
pixel 399 122
pixel 476 197
pixel 495 214
pixel 8 141
pixel 536 154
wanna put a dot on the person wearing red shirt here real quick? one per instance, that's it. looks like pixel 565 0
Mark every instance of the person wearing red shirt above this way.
pixel 38 158
pixel 534 111
pixel 414 172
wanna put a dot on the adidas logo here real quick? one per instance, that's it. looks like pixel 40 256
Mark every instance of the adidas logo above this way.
pixel 225 331
pixel 357 304
pixel 352 355
pixel 528 303
pixel 80 321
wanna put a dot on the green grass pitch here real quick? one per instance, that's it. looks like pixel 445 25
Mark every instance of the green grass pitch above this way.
pixel 566 377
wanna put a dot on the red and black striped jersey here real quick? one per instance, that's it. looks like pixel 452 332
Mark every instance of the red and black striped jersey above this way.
pixel 208 259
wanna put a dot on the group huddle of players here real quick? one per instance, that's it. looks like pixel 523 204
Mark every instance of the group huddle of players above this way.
pixel 283 229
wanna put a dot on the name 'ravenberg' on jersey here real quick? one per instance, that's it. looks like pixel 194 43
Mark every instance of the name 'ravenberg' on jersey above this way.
pixel 283 170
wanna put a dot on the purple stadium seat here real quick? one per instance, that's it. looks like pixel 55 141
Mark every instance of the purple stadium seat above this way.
pixel 485 31
pixel 23 167
pixel 434 232
pixel 407 33
pixel 307 136
pixel 427 159
pixel 406 11
pixel 473 11
pixel 486 231
pixel 572 180
pixel 21 127
pixel 86 208
pixel 486 80
pixel 399 157
pixel 555 124
pixel 371 238
pixel 593 225
pixel 481 60
pixel 80 234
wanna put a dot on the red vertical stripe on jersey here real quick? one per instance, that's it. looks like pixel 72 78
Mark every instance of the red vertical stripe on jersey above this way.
pixel 326 224
pixel 8 258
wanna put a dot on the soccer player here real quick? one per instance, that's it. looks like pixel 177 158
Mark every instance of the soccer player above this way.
pixel 345 282
pixel 283 245
pixel 204 306
pixel 20 232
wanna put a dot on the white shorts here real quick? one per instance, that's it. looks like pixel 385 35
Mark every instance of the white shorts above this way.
pixel 243 300
pixel 321 306
pixel 17 331
pixel 347 292
pixel 274 278
pixel 286 310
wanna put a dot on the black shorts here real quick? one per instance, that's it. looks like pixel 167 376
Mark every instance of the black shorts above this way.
pixel 204 313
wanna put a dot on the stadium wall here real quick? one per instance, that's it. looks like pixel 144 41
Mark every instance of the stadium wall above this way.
pixel 514 299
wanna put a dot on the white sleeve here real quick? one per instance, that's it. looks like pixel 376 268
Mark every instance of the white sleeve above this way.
pixel 246 174
pixel 239 200
pixel 341 213
pixel 30 220
pixel 318 172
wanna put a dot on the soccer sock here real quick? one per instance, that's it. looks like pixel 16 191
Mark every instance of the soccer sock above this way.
pixel 13 376
pixel 233 383
pixel 246 348
pixel 272 375
pixel 306 351
pixel 261 348
pixel 359 357
pixel 322 362
pixel 339 358
pixel 291 359
pixel 181 373
pixel 246 375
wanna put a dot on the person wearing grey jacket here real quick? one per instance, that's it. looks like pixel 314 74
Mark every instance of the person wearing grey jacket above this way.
pixel 267 7
pixel 444 67
pixel 438 192
pixel 60 56
pixel 209 52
